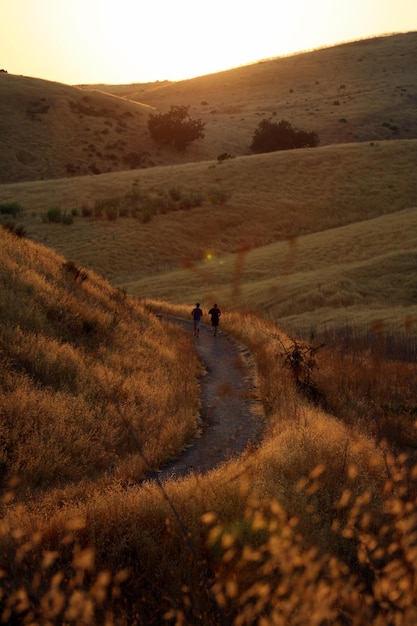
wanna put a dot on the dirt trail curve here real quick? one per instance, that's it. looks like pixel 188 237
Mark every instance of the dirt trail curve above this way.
pixel 231 418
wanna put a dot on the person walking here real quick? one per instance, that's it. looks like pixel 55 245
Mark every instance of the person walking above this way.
pixel 197 314
pixel 215 315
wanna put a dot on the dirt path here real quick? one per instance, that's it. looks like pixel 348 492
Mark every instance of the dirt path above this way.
pixel 231 419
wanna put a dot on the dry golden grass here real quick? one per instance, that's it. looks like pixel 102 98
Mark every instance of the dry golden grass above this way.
pixel 53 130
pixel 343 272
pixel 82 369
pixel 316 524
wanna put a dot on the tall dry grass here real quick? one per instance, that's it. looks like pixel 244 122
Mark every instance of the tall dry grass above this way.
pixel 82 367
pixel 315 526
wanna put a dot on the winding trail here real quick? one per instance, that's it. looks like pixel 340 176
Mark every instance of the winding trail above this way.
pixel 232 418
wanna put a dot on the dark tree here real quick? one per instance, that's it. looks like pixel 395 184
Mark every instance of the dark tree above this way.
pixel 271 136
pixel 175 128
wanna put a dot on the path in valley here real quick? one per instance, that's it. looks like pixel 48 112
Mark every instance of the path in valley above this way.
pixel 231 418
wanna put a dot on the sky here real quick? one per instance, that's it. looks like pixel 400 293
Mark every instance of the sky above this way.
pixel 128 41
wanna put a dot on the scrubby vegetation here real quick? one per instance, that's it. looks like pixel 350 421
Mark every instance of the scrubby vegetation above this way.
pixel 56 215
pixel 144 205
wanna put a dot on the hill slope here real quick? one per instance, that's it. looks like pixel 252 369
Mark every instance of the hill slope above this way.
pixel 50 130
pixel 81 369
pixel 353 92
pixel 273 199
pixel 359 91
pixel 357 276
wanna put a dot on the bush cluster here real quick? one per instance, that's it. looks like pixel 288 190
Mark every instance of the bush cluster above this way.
pixel 271 136
pixel 175 128
pixel 57 216
pixel 143 205
pixel 10 208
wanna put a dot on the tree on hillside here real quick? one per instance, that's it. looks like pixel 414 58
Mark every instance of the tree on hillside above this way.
pixel 175 128
pixel 270 136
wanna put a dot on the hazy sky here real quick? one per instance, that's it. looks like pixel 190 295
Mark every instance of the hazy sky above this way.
pixel 124 41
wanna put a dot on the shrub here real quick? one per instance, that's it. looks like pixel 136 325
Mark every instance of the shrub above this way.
pixel 54 214
pixel 72 170
pixel 391 127
pixel 191 201
pixel 136 159
pixel 175 128
pixel 10 208
pixel 300 359
pixel 269 137
pixel 175 193
pixel 224 156
pixel 77 272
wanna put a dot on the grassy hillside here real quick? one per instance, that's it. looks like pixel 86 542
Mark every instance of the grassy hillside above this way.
pixel 50 130
pixel 249 240
pixel 354 92
pixel 81 369
pixel 360 91
pixel 357 276
pixel 186 230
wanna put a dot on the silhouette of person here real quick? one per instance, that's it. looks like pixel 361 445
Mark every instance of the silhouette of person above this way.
pixel 215 315
pixel 197 315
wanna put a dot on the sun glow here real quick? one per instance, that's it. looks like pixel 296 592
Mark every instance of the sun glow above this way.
pixel 91 41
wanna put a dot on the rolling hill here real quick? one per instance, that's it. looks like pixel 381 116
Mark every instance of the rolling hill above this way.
pixel 361 91
pixel 160 230
pixel 246 249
